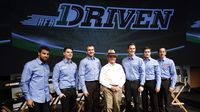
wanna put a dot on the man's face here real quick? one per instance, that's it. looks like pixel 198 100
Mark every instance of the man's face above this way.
pixel 43 55
pixel 68 54
pixel 112 59
pixel 90 51
pixel 131 50
pixel 162 52
pixel 147 53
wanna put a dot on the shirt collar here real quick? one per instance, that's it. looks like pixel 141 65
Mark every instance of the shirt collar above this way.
pixel 67 61
pixel 90 58
pixel 147 59
pixel 39 61
pixel 131 57
pixel 162 59
pixel 111 64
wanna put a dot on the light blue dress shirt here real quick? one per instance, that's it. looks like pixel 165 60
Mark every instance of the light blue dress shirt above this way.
pixel 168 70
pixel 152 70
pixel 34 81
pixel 65 75
pixel 134 68
pixel 89 70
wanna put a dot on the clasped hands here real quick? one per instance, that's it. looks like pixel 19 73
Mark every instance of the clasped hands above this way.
pixel 116 88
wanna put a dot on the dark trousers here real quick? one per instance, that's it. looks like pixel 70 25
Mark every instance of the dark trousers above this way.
pixel 92 101
pixel 40 107
pixel 149 90
pixel 69 102
pixel 164 97
pixel 131 91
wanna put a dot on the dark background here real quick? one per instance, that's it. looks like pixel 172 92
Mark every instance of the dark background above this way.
pixel 13 57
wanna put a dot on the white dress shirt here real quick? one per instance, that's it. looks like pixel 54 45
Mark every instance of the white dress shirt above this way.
pixel 112 74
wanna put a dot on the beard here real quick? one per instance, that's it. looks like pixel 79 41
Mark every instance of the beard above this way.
pixel 44 59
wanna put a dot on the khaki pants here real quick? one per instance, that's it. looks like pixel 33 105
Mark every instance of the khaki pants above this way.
pixel 112 99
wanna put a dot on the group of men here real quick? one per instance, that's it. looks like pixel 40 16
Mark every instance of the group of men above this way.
pixel 136 76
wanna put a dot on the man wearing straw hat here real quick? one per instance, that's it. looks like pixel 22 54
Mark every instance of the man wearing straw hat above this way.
pixel 112 77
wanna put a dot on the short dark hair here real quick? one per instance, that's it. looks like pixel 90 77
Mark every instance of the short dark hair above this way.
pixel 89 45
pixel 67 48
pixel 130 44
pixel 43 48
pixel 146 47
pixel 161 48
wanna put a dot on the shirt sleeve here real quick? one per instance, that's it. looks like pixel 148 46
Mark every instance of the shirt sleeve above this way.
pixel 142 72
pixel 48 85
pixel 99 67
pixel 103 79
pixel 173 74
pixel 158 75
pixel 123 77
pixel 25 80
pixel 77 78
pixel 123 65
pixel 82 76
pixel 55 79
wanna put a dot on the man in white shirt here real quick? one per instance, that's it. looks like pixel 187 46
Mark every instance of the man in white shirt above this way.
pixel 112 77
